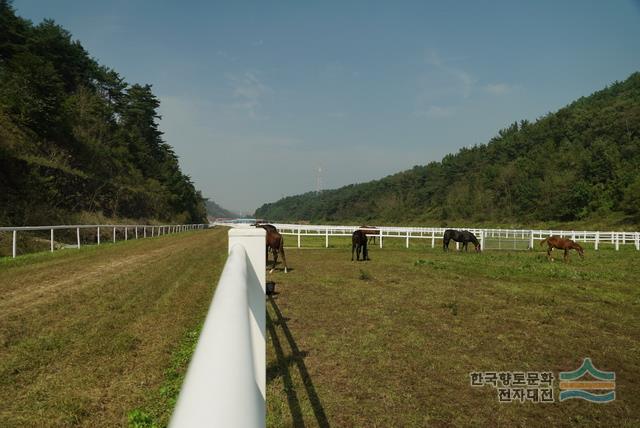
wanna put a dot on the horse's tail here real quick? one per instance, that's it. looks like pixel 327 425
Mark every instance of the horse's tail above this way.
pixel 544 240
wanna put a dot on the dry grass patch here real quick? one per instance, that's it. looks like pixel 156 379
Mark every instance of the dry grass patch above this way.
pixel 396 348
pixel 86 336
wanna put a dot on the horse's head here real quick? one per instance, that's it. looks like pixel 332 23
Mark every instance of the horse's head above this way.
pixel 579 250
pixel 478 249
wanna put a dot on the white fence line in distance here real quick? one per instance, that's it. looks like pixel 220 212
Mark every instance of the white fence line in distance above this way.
pixel 493 239
pixel 138 230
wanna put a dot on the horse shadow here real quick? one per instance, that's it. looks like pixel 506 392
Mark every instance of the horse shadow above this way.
pixel 282 368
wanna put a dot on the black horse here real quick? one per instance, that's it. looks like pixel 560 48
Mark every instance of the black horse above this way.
pixel 359 243
pixel 463 236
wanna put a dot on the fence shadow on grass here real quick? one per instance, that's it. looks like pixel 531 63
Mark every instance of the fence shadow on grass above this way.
pixel 281 368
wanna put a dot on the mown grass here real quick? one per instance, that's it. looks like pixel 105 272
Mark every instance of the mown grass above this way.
pixel 101 336
pixel 391 342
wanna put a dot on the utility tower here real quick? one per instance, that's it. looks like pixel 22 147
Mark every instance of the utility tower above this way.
pixel 318 179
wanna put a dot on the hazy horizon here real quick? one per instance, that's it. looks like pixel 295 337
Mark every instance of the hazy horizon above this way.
pixel 256 97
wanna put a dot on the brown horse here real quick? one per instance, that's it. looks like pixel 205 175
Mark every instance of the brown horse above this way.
pixel 562 244
pixel 371 232
pixel 275 241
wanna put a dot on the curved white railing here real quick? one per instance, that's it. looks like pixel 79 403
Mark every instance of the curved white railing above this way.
pixel 137 230
pixel 226 380
pixel 489 238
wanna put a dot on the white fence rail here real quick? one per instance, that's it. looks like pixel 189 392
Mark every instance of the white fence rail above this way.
pixel 226 380
pixel 137 231
pixel 489 238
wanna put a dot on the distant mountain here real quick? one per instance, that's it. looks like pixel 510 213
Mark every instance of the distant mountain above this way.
pixel 579 163
pixel 216 211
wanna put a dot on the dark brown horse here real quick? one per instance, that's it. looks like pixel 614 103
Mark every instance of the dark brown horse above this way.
pixel 463 236
pixel 562 244
pixel 371 232
pixel 358 244
pixel 275 241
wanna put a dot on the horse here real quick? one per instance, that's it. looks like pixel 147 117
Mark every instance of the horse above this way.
pixel 562 244
pixel 275 241
pixel 359 243
pixel 370 231
pixel 463 236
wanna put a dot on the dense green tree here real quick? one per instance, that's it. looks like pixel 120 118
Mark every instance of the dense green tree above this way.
pixel 74 136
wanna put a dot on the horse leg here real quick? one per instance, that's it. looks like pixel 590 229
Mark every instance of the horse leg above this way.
pixel 549 253
pixel 566 254
pixel 365 252
pixel 275 259
pixel 358 250
pixel 445 244
pixel 465 246
pixel 284 259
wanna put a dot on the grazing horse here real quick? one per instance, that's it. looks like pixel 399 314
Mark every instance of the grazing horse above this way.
pixel 463 236
pixel 275 241
pixel 562 244
pixel 359 243
pixel 370 231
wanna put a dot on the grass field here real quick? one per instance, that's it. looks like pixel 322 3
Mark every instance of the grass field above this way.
pixel 391 342
pixel 101 335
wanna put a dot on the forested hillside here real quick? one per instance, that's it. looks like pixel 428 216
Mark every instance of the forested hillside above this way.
pixel 76 138
pixel 214 211
pixel 580 163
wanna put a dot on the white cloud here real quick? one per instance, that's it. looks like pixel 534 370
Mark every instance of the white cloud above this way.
pixel 248 91
pixel 436 112
pixel 499 88
pixel 460 78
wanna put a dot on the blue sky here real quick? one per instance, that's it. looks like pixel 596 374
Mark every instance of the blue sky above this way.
pixel 256 96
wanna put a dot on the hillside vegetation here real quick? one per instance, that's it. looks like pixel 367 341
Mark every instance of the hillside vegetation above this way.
pixel 75 137
pixel 214 210
pixel 579 164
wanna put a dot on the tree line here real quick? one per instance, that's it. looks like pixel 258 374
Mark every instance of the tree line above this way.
pixel 76 137
pixel 580 163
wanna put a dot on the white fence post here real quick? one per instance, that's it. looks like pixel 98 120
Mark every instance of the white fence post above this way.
pixel 98 235
pixel 136 232
pixel 326 238
pixel 617 241
pixel 226 380
pixel 408 233
pixel 13 245
pixel 380 238
pixel 597 240
pixel 126 237
pixel 52 240
pixel 298 237
pixel 482 240
pixel 78 236
pixel 433 238
pixel 114 234
pixel 531 240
